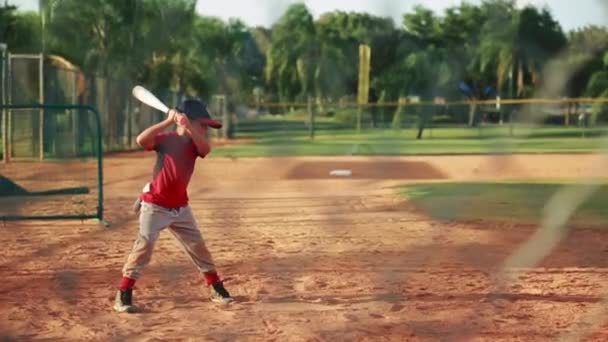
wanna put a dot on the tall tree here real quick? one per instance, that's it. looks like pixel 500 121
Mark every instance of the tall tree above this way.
pixel 539 39
pixel 460 31
pixel 19 31
pixel 339 35
pixel 585 55
pixel 521 40
pixel 423 24
pixel 498 45
pixel 166 44
pixel 226 58
pixel 289 64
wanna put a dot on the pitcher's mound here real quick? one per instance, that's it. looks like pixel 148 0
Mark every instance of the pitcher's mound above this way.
pixel 366 170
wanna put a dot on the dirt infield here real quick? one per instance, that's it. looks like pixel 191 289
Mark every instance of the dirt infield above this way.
pixel 309 258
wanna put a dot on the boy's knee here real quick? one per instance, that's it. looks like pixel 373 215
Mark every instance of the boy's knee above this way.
pixel 147 237
pixel 143 246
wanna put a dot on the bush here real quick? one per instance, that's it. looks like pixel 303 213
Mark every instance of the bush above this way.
pixel 598 84
pixel 599 111
pixel 347 116
pixel 443 119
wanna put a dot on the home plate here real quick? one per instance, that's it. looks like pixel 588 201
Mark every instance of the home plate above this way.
pixel 340 173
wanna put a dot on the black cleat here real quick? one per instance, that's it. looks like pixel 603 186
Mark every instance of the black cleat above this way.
pixel 124 301
pixel 219 294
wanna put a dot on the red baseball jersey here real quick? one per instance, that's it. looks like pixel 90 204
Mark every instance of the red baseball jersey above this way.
pixel 176 157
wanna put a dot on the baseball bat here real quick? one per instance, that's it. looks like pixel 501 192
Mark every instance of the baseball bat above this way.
pixel 145 96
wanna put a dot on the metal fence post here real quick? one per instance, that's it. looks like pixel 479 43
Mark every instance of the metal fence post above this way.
pixel 226 129
pixel 99 142
pixel 3 84
pixel 511 123
pixel 41 99
pixel 9 100
pixel 359 113
pixel 311 118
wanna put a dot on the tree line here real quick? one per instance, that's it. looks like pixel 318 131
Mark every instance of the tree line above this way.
pixel 495 48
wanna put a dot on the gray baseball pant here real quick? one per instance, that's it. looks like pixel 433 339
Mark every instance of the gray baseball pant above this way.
pixel 181 223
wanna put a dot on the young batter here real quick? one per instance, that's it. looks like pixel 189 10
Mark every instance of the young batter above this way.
pixel 164 202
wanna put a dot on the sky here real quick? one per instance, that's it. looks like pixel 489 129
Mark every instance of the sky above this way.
pixel 571 14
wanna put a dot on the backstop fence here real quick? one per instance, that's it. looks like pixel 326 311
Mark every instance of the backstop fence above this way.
pixel 38 79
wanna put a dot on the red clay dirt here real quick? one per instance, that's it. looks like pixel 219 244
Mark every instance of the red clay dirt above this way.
pixel 308 258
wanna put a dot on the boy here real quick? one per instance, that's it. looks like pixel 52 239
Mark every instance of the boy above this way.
pixel 164 201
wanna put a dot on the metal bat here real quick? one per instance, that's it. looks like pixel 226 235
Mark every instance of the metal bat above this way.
pixel 145 96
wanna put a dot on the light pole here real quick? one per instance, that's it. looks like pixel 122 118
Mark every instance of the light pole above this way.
pixel 42 14
pixel 45 9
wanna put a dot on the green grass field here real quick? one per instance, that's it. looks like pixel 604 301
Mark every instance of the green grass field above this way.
pixel 282 137
pixel 504 202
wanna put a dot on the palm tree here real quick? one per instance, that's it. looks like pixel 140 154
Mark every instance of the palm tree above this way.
pixel 518 40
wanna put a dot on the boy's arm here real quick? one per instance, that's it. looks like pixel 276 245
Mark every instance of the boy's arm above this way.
pixel 146 139
pixel 196 133
pixel 202 146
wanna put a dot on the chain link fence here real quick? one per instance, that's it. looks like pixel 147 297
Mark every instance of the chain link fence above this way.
pixel 412 119
pixel 34 79
pixel 123 117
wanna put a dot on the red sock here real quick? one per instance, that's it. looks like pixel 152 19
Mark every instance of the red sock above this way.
pixel 126 283
pixel 211 277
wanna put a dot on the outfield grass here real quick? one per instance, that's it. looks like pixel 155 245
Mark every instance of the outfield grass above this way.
pixel 293 140
pixel 506 202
